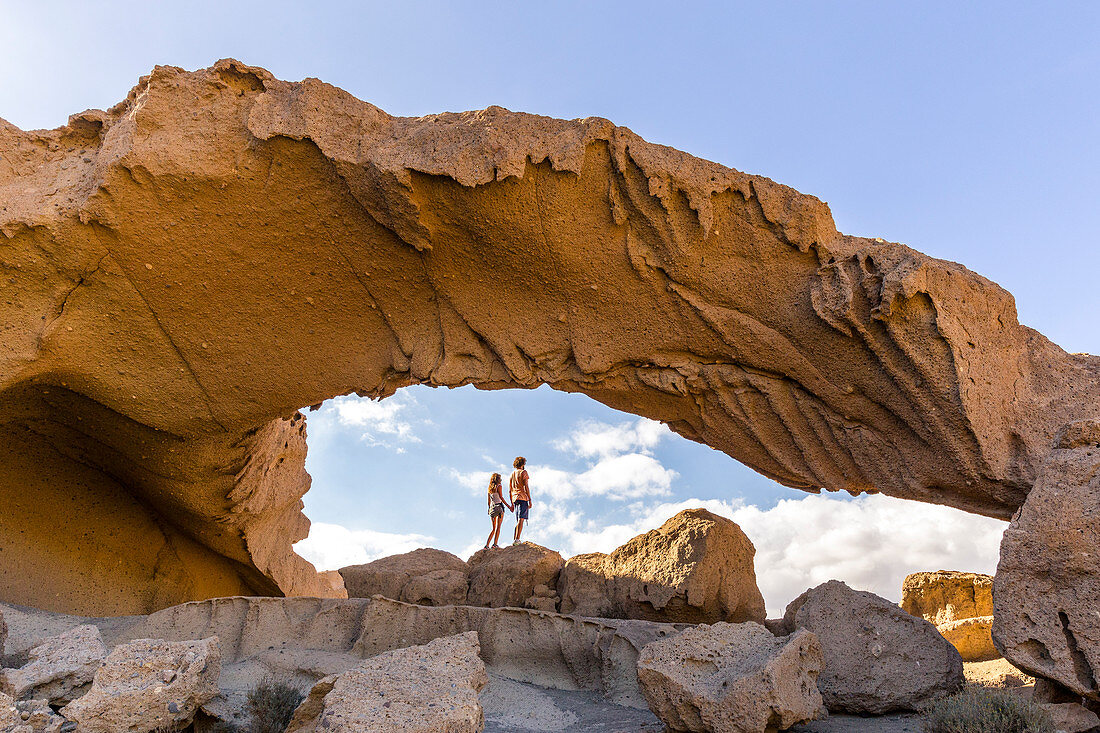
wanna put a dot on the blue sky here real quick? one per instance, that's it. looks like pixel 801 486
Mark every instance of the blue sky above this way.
pixel 966 130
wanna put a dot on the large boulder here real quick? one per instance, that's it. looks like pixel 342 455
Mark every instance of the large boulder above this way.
pixel 420 689
pixel 732 678
pixel 971 637
pixel 1046 594
pixel 878 658
pixel 59 669
pixel 510 576
pixel 147 685
pixel 695 568
pixel 947 595
pixel 427 577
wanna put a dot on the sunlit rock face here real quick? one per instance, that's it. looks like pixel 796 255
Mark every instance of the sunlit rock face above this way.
pixel 183 272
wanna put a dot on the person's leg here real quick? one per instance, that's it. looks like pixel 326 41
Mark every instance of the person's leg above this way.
pixel 498 522
pixel 495 519
pixel 519 529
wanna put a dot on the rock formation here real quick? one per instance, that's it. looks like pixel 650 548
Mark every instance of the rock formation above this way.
pixel 1046 593
pixel 59 669
pixel 147 685
pixel 732 678
pixel 510 576
pixel 427 577
pixel 959 604
pixel 30 716
pixel 696 568
pixel 184 271
pixel 418 689
pixel 877 657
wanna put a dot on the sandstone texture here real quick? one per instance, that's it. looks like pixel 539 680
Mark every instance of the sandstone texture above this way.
pixel 696 568
pixel 184 271
pixel 420 689
pixel 149 684
pixel 947 595
pixel 510 576
pixel 58 670
pixel 971 637
pixel 1047 589
pixel 878 658
pixel 427 577
pixel 732 678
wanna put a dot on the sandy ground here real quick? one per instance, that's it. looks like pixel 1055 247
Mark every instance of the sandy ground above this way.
pixel 516 707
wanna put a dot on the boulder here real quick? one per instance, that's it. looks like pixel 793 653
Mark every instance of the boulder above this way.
pixel 695 568
pixel 1071 717
pixel 508 576
pixel 971 637
pixel 333 583
pixel 420 689
pixel 947 595
pixel 878 658
pixel 732 678
pixel 30 716
pixel 1046 593
pixel 149 684
pixel 427 577
pixel 59 669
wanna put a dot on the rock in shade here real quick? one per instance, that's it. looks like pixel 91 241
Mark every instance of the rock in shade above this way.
pixel 695 568
pixel 421 689
pixel 509 576
pixel 426 577
pixel 149 684
pixel 732 678
pixel 59 669
pixel 1046 593
pixel 1071 717
pixel 947 595
pixel 31 716
pixel 878 658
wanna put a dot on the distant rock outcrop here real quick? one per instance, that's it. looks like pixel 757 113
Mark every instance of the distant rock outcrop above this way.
pixel 427 577
pixel 959 604
pixel 1046 593
pixel 732 678
pixel 696 568
pixel 878 658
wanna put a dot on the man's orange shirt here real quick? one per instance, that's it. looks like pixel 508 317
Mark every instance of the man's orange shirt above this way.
pixel 517 486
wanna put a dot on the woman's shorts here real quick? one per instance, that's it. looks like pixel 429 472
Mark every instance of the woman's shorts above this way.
pixel 496 510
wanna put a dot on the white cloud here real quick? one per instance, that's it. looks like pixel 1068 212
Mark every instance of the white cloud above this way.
pixel 333 546
pixel 383 422
pixel 871 542
pixel 591 438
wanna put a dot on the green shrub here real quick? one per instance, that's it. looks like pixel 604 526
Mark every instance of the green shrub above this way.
pixel 986 710
pixel 271 705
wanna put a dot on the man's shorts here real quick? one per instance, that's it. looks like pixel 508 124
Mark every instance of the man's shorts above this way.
pixel 521 508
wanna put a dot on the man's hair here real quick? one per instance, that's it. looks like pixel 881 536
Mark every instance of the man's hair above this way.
pixel 520 462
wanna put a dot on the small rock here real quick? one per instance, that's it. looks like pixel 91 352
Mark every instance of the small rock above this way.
pixel 60 668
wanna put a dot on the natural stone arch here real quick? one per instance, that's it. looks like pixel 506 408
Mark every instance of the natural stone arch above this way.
pixel 186 270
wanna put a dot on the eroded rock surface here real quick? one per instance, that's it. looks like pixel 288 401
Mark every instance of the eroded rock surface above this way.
pixel 427 577
pixel 510 576
pixel 878 658
pixel 947 595
pixel 732 678
pixel 31 716
pixel 696 568
pixel 147 685
pixel 419 689
pixel 1047 588
pixel 59 669
pixel 184 271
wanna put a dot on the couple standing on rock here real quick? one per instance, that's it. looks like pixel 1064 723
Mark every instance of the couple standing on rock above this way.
pixel 520 493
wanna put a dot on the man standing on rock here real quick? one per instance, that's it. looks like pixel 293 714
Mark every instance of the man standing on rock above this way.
pixel 520 492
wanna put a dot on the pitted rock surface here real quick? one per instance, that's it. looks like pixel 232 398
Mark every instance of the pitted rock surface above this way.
pixel 59 669
pixel 427 577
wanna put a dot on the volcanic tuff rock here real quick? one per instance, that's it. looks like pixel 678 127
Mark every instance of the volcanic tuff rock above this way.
pixel 59 669
pixel 184 271
pixel 30 716
pixel 426 576
pixel 1046 592
pixel 878 658
pixel 696 568
pixel 510 575
pixel 732 678
pixel 947 595
pixel 419 689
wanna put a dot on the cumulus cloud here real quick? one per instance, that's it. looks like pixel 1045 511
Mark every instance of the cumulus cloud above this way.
pixel 871 542
pixel 333 546
pixel 383 422
pixel 591 438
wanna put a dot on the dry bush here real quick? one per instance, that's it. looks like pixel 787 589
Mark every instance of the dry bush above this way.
pixel 271 705
pixel 986 710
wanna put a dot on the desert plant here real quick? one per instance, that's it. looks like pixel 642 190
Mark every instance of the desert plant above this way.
pixel 271 705
pixel 986 710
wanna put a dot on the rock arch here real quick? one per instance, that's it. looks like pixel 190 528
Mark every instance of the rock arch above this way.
pixel 183 272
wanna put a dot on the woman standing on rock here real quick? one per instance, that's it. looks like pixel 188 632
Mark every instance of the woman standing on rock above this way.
pixel 496 509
